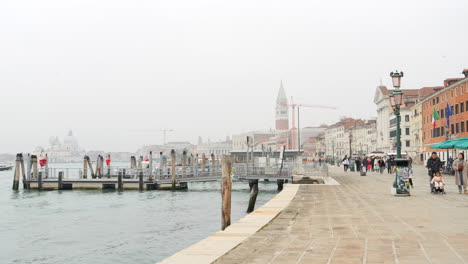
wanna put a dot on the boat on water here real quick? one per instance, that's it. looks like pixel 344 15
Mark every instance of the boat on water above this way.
pixel 5 167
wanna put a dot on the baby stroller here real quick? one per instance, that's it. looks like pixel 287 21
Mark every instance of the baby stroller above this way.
pixel 438 188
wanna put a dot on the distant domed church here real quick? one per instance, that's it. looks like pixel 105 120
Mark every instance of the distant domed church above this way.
pixel 68 151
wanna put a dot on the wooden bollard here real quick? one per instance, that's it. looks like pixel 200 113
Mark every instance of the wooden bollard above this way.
pixel 203 163
pixel 34 166
pixel 173 169
pixel 23 170
pixel 184 163
pixel 17 172
pixel 212 164
pixel 119 182
pixel 39 181
pixel 253 184
pixel 85 167
pixel 60 180
pixel 140 181
pixel 280 185
pixel 226 187
pixel 90 165
pixel 150 166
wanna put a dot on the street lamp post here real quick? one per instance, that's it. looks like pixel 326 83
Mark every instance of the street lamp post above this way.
pixel 396 100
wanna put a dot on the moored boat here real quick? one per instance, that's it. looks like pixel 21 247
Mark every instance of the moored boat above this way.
pixel 5 167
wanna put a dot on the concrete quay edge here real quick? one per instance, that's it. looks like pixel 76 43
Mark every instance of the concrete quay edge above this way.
pixel 215 246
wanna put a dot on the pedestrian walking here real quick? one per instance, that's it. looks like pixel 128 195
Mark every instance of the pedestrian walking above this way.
pixel 365 162
pixel 358 164
pixel 345 162
pixel 369 164
pixel 381 163
pixel 388 165
pixel 392 164
pixel 433 165
pixel 461 176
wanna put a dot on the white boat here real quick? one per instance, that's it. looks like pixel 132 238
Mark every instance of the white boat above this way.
pixel 5 167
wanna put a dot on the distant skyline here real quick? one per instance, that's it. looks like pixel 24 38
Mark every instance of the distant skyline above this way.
pixel 116 72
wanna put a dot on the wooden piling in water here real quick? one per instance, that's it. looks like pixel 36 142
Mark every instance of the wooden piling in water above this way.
pixel 34 166
pixel 60 180
pixel 253 184
pixel 23 170
pixel 133 162
pixel 119 182
pixel 184 163
pixel 280 185
pixel 90 165
pixel 16 175
pixel 212 164
pixel 85 167
pixel 140 181
pixel 39 181
pixel 150 167
pixel 173 169
pixel 226 187
pixel 203 162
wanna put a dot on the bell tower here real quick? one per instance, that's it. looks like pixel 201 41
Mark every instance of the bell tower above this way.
pixel 282 113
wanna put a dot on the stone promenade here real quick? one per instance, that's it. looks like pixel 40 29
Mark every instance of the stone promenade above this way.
pixel 359 221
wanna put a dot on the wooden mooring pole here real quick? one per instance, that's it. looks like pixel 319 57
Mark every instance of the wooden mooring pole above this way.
pixel 184 163
pixel 85 167
pixel 226 187
pixel 140 181
pixel 34 166
pixel 253 184
pixel 212 164
pixel 23 170
pixel 280 185
pixel 173 169
pixel 17 172
pixel 119 182
pixel 39 181
pixel 60 180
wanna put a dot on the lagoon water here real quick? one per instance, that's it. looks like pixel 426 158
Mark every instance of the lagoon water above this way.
pixel 83 226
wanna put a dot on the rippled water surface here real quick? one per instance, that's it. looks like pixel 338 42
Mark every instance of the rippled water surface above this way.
pixel 78 226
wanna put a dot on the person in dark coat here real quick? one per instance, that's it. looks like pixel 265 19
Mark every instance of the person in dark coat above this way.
pixel 365 162
pixel 381 165
pixel 433 165
pixel 358 164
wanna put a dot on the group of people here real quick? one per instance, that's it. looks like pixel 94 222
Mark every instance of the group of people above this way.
pixel 434 166
pixel 372 163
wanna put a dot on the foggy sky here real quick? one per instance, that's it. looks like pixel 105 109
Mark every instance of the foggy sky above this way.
pixel 117 71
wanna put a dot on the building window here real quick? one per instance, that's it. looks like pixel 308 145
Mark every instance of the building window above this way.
pixel 456 91
pixel 437 99
pixel 451 109
pixel 442 113
pixel 451 93
pixel 393 133
pixel 442 130
pixel 462 127
pixel 433 101
pixel 457 126
pixel 462 107
pixel 407 143
pixel 456 109
pixel 407 131
pixel 406 118
pixel 461 89
pixel 452 129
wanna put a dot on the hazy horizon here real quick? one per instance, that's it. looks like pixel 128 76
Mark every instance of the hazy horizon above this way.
pixel 116 72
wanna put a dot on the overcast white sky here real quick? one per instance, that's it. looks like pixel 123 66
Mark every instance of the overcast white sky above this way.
pixel 116 71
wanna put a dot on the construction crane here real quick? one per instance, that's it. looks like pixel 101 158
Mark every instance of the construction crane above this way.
pixel 165 130
pixel 295 137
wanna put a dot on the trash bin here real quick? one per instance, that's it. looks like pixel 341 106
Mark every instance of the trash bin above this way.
pixel 401 186
pixel 363 171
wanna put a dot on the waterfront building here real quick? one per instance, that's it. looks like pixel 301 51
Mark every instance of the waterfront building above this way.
pixel 455 94
pixel 363 138
pixel 386 121
pixel 217 148
pixel 337 137
pixel 315 146
pixel 259 138
pixel 416 149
